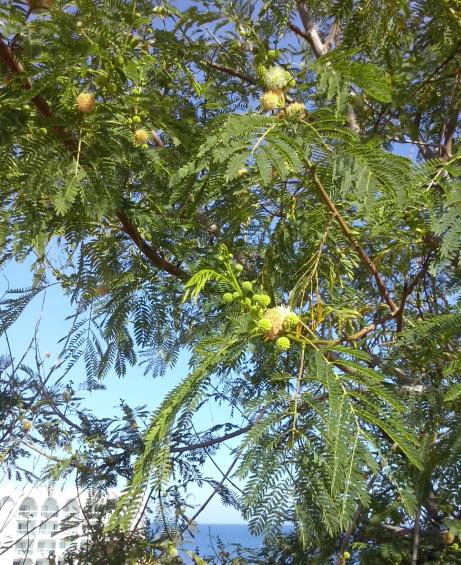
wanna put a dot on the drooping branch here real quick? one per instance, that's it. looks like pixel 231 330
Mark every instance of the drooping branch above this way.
pixel 345 539
pixel 147 250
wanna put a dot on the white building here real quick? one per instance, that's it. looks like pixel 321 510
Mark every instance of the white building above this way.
pixel 37 523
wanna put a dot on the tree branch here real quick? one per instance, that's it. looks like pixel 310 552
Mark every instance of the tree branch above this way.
pixel 310 33
pixel 147 250
pixel 319 48
pixel 355 244
pixel 242 76
pixel 408 288
pixel 230 71
pixel 213 441
pixel 446 148
pixel 428 79
pixel 11 62
pixel 216 489
pixel 416 537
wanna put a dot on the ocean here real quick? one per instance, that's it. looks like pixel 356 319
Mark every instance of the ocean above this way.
pixel 210 539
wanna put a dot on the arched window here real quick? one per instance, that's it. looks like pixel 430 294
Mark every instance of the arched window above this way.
pixel 28 508
pixel 49 507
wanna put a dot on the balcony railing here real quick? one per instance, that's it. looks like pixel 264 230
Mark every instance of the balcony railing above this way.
pixel 22 548
pixel 49 513
pixel 26 531
pixel 46 548
pixel 28 513
pixel 46 531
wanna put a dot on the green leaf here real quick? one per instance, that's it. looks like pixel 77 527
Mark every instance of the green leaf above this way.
pixel 453 393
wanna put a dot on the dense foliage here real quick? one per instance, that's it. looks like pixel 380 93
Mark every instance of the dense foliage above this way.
pixel 274 188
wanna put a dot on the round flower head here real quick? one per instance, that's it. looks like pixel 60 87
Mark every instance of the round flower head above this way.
pixel 271 99
pixel 140 136
pixel 262 299
pixel 276 78
pixel 85 102
pixel 346 555
pixel 283 343
pixel 291 319
pixel 228 297
pixel 296 109
pixel 26 425
pixel 247 286
pixel 277 317
pixel 264 325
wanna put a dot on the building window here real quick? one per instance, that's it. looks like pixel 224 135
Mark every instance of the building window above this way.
pixel 50 507
pixel 28 508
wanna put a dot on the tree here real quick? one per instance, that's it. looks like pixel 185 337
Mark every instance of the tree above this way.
pixel 274 187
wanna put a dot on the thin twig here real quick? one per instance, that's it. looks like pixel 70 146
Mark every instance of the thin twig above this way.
pixel 216 489
pixel 355 244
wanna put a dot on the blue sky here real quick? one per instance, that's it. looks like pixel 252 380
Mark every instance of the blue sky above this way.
pixel 136 388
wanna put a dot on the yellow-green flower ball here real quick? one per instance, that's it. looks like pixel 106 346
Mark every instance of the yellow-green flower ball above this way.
pixel 270 100
pixel 262 299
pixel 291 319
pixel 283 343
pixel 140 136
pixel 264 325
pixel 295 109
